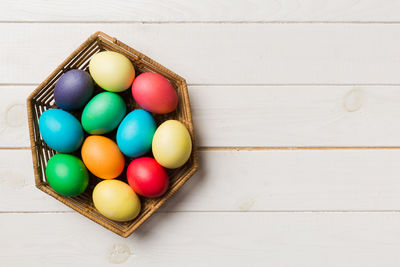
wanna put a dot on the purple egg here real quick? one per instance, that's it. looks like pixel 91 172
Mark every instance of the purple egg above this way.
pixel 73 90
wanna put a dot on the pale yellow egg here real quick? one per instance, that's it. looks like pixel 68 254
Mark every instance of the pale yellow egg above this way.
pixel 172 144
pixel 116 200
pixel 112 71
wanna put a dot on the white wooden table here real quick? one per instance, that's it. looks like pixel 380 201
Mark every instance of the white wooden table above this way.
pixel 296 106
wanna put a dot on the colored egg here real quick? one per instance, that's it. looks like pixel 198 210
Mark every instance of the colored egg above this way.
pixel 154 93
pixel 147 178
pixel 60 130
pixel 73 90
pixel 172 144
pixel 116 200
pixel 135 133
pixel 102 157
pixel 67 175
pixel 112 71
pixel 103 113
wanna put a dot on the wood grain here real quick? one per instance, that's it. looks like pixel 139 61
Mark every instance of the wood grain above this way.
pixel 298 180
pixel 205 11
pixel 13 116
pixel 296 116
pixel 265 74
pixel 205 239
pixel 220 53
pixel 263 116
pixel 275 74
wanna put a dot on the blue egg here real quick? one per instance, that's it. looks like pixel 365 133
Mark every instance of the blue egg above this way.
pixel 135 133
pixel 60 130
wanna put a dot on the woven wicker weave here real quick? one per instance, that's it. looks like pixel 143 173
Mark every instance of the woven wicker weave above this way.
pixel 42 99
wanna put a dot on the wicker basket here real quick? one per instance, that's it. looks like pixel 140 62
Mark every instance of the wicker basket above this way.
pixel 42 99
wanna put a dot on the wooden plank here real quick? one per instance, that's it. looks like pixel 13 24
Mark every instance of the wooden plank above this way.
pixel 296 116
pixel 14 130
pixel 220 53
pixel 298 180
pixel 271 116
pixel 208 10
pixel 205 239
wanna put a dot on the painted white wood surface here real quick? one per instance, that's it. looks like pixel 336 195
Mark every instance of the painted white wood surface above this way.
pixel 218 53
pixel 270 116
pixel 201 11
pixel 205 239
pixel 262 74
pixel 13 116
pixel 299 180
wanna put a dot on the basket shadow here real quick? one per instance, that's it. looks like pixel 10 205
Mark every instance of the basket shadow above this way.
pixel 173 206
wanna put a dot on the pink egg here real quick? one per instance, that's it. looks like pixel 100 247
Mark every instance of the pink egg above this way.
pixel 154 93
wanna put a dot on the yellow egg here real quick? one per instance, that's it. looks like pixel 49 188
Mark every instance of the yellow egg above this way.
pixel 112 71
pixel 116 200
pixel 172 144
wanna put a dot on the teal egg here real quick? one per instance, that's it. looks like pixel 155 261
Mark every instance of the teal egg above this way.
pixel 135 133
pixel 60 130
pixel 103 113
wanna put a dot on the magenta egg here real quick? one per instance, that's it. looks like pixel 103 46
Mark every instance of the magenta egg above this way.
pixel 154 93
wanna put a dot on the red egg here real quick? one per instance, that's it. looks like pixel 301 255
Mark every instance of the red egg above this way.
pixel 147 178
pixel 154 93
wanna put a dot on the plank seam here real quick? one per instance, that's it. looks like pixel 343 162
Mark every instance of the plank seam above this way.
pixel 251 84
pixel 262 148
pixel 197 22
pixel 222 211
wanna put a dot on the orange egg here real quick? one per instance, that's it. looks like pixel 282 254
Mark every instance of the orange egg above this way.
pixel 102 157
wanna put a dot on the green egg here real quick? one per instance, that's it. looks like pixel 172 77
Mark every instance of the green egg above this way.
pixel 103 113
pixel 67 175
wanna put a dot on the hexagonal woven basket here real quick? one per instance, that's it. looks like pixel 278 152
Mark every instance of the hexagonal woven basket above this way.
pixel 42 99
